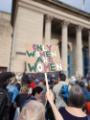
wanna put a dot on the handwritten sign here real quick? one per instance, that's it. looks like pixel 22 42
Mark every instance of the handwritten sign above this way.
pixel 40 58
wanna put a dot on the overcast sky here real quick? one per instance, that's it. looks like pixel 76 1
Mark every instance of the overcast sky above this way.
pixel 5 5
pixel 79 4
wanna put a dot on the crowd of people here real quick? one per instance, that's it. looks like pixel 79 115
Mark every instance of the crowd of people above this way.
pixel 25 97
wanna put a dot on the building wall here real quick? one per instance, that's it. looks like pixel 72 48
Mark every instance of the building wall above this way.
pixel 28 30
pixel 5 39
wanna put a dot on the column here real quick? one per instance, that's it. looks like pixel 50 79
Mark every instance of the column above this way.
pixel 89 49
pixel 48 29
pixel 79 55
pixel 64 46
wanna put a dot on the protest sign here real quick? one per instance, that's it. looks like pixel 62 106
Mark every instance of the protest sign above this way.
pixel 40 58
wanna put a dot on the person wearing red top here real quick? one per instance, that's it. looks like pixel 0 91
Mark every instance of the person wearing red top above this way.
pixel 32 85
pixel 87 107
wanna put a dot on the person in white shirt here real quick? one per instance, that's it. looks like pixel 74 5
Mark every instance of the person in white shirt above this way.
pixel 57 88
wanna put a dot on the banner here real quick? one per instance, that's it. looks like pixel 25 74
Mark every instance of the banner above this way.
pixel 40 58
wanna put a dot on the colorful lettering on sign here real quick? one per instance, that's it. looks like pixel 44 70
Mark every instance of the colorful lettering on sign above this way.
pixel 43 59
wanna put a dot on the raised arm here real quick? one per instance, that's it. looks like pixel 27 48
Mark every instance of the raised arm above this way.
pixel 50 98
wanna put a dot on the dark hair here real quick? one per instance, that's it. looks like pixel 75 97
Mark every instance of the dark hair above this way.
pixel 62 76
pixel 25 78
pixel 36 90
pixel 18 86
pixel 4 78
pixel 81 83
pixel 76 97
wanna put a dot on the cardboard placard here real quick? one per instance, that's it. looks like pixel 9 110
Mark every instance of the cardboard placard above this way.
pixel 40 58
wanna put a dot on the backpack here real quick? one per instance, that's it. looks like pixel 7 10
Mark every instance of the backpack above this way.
pixel 4 105
pixel 64 92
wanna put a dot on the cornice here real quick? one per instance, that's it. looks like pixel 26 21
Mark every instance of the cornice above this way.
pixel 47 10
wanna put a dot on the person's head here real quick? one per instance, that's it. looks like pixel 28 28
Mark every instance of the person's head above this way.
pixel 38 93
pixel 24 89
pixel 18 86
pixel 81 84
pixel 5 78
pixel 72 81
pixel 25 78
pixel 76 97
pixel 62 76
pixel 33 110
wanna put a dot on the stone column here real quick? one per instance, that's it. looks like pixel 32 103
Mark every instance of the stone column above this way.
pixel 48 29
pixel 89 49
pixel 64 46
pixel 79 55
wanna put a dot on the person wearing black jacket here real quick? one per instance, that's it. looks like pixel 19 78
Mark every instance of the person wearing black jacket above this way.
pixel 5 103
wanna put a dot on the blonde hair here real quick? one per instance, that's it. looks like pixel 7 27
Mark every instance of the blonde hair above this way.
pixel 24 89
pixel 33 110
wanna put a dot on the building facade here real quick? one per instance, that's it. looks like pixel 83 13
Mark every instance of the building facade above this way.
pixel 5 41
pixel 51 22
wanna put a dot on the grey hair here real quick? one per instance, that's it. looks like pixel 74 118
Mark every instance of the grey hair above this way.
pixel 33 110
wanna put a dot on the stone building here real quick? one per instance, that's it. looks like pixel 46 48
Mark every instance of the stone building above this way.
pixel 5 41
pixel 51 22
